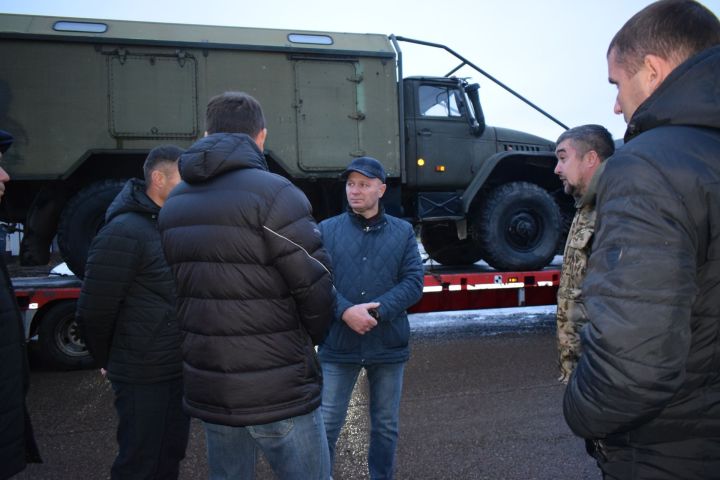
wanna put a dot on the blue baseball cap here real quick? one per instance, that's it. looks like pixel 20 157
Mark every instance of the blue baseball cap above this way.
pixel 5 141
pixel 367 166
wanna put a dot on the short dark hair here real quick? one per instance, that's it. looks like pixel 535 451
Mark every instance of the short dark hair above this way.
pixel 673 30
pixel 160 155
pixel 590 137
pixel 234 112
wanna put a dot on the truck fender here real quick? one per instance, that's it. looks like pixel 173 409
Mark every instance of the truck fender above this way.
pixel 489 166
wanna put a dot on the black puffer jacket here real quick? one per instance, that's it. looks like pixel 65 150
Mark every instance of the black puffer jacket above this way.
pixel 127 305
pixel 255 293
pixel 650 371
pixel 17 443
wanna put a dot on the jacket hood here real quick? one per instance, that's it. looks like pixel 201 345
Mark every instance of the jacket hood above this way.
pixel 219 153
pixel 132 198
pixel 689 96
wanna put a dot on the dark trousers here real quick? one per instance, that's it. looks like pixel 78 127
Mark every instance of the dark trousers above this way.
pixel 152 431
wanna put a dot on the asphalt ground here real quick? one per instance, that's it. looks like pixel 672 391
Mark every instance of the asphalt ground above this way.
pixel 481 401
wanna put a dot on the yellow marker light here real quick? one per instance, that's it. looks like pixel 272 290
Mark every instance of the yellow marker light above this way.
pixel 512 280
pixel 421 162
pixel 440 168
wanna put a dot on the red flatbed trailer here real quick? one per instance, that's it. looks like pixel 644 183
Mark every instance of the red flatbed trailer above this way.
pixel 48 303
pixel 448 289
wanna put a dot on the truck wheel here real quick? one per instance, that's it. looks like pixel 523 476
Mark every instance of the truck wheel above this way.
pixel 59 338
pixel 517 227
pixel 81 219
pixel 442 245
pixel 567 214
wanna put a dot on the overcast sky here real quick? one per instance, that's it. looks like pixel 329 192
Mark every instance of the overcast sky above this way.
pixel 550 51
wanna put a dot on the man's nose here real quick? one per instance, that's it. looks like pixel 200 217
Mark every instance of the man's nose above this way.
pixel 617 109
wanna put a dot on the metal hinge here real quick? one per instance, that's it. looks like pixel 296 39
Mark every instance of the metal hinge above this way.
pixel 181 57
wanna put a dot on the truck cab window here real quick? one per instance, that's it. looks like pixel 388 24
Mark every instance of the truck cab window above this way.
pixel 438 101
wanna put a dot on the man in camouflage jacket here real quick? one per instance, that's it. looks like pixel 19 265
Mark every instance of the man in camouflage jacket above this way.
pixel 581 152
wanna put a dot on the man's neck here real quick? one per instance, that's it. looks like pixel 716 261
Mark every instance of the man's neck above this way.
pixel 368 214
pixel 153 195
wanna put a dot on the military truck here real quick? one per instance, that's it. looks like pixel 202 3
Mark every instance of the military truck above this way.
pixel 87 99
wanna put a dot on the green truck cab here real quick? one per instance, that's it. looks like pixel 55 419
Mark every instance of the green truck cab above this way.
pixel 87 99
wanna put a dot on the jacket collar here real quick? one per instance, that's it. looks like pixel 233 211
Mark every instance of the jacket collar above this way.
pixel 688 96
pixel 132 198
pixel 368 224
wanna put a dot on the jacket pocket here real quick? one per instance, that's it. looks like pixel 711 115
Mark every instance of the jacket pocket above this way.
pixel 342 338
pixel 162 326
pixel 396 334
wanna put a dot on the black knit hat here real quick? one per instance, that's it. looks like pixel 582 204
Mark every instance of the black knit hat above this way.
pixel 5 141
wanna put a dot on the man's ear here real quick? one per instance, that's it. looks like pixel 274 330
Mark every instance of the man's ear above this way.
pixel 383 187
pixel 157 178
pixel 260 138
pixel 592 158
pixel 656 71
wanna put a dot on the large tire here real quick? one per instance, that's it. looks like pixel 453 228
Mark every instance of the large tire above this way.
pixel 567 214
pixel 517 227
pixel 81 219
pixel 59 338
pixel 441 243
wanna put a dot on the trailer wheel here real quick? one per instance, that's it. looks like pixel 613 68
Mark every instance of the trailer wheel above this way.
pixel 441 243
pixel 59 338
pixel 81 219
pixel 517 227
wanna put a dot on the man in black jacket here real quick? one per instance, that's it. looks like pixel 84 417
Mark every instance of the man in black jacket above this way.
pixel 646 390
pixel 17 442
pixel 255 296
pixel 127 312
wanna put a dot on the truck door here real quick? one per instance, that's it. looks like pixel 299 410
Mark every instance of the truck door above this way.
pixel 444 140
pixel 152 95
pixel 327 112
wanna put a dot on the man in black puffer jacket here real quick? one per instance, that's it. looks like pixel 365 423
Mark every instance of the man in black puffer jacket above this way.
pixel 647 387
pixel 255 296
pixel 127 314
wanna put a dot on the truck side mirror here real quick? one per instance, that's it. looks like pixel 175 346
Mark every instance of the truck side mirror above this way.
pixel 478 126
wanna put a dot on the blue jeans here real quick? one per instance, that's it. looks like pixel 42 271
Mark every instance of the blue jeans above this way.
pixel 296 449
pixel 385 382
pixel 152 430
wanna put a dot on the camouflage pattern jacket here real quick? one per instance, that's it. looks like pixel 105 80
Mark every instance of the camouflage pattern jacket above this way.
pixel 575 260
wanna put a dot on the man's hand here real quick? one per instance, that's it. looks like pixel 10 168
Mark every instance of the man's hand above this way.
pixel 103 372
pixel 358 318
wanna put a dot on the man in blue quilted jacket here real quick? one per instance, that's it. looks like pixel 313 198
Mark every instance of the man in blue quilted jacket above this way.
pixel 378 275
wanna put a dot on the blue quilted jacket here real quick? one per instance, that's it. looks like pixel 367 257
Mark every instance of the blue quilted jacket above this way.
pixel 374 260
